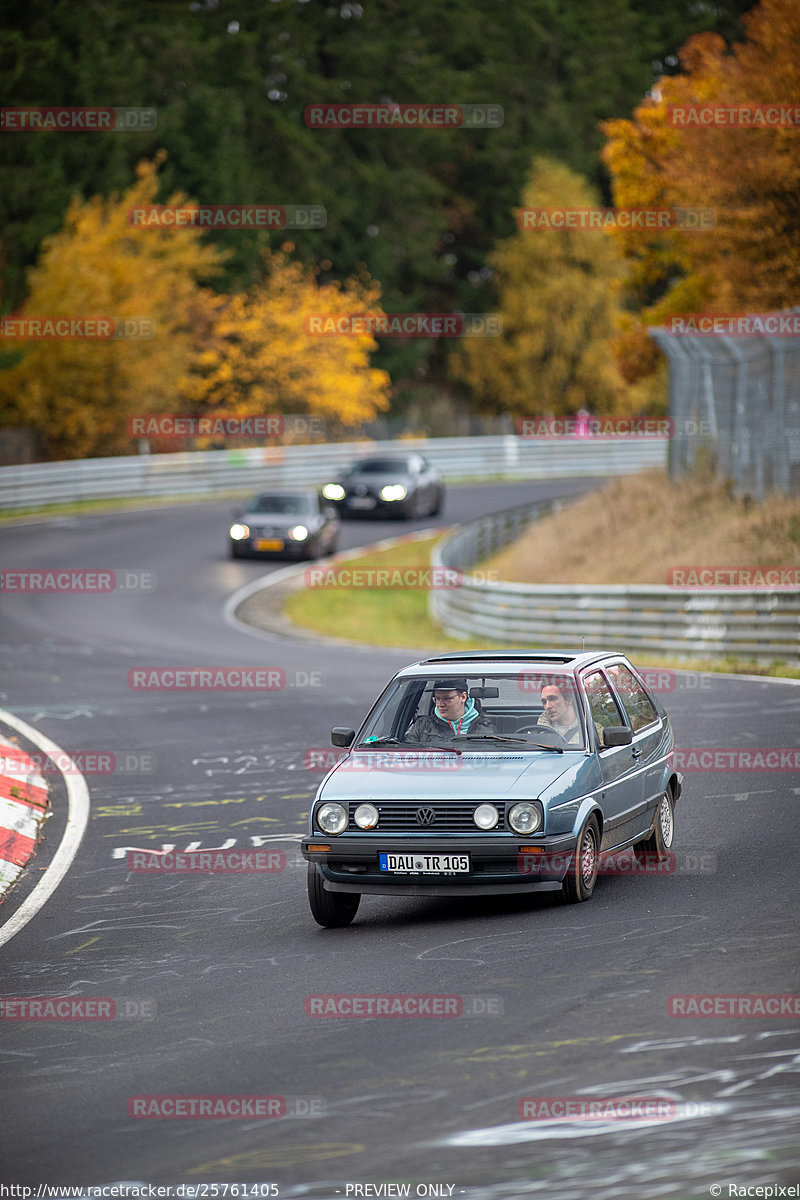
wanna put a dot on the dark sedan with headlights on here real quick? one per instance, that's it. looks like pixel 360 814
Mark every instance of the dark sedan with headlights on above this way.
pixel 385 485
pixel 292 524
pixel 491 773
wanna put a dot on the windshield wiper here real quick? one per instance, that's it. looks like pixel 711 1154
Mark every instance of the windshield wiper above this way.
pixel 393 741
pixel 498 737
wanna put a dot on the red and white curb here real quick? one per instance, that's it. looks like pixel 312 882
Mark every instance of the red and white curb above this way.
pixel 24 807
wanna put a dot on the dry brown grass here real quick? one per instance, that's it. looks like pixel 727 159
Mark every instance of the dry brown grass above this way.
pixel 639 526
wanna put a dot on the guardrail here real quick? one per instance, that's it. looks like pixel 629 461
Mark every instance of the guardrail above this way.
pixel 213 471
pixel 763 626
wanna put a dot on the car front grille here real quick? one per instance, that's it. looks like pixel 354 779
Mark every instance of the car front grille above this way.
pixel 403 816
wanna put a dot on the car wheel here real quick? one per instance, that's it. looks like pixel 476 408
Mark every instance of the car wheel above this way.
pixel 658 844
pixel 236 551
pixel 332 910
pixel 437 507
pixel 581 877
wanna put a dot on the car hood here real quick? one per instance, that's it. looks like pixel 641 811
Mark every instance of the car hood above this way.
pixel 370 775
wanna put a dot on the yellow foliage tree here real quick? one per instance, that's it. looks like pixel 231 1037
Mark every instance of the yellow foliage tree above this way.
pixel 78 394
pixel 750 261
pixel 558 300
pixel 263 356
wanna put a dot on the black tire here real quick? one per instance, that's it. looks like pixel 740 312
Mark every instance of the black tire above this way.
pixel 437 507
pixel 658 845
pixel 332 910
pixel 581 877
pixel 236 551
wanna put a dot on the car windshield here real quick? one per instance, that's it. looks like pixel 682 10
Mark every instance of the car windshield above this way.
pixel 531 709
pixel 282 505
pixel 382 466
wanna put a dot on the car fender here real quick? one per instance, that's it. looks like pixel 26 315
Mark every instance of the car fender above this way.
pixel 587 807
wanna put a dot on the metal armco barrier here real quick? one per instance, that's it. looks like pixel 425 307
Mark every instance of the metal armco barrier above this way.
pixel 208 472
pixel 760 625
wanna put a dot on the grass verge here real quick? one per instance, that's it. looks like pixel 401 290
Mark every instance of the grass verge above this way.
pixel 399 617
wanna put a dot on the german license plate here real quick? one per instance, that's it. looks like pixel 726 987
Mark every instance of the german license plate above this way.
pixel 269 544
pixel 424 864
pixel 360 502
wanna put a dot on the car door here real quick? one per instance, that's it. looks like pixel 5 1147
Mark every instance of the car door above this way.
pixel 623 782
pixel 648 734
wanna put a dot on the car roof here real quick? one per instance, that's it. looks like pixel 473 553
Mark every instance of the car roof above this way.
pixel 475 662
pixel 300 493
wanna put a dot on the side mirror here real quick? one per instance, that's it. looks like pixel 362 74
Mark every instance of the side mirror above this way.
pixel 616 735
pixel 341 736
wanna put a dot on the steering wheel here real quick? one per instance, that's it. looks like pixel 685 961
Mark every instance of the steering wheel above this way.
pixel 539 730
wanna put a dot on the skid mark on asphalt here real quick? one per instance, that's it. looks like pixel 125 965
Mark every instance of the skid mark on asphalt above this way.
pixel 277 1156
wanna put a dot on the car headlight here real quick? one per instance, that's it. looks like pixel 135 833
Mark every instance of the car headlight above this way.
pixel 298 533
pixel 333 491
pixel 366 816
pixel 525 817
pixel 239 532
pixel 332 817
pixel 394 491
pixel 486 816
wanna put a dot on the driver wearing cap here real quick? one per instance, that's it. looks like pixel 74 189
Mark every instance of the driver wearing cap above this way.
pixel 455 713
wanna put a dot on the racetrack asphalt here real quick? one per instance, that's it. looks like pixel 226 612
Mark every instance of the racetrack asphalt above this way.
pixel 213 971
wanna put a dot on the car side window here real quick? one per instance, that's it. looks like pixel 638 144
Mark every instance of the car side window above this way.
pixel 635 700
pixel 602 705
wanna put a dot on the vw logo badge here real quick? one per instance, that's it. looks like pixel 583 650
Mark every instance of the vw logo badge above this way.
pixel 425 816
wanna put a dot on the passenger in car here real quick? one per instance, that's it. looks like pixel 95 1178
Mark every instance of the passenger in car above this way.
pixel 560 713
pixel 455 712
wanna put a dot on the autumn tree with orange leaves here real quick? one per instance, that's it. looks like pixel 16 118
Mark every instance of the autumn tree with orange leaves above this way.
pixel 265 356
pixel 78 394
pixel 749 174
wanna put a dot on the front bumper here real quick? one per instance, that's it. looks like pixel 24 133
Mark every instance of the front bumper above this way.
pixel 497 864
